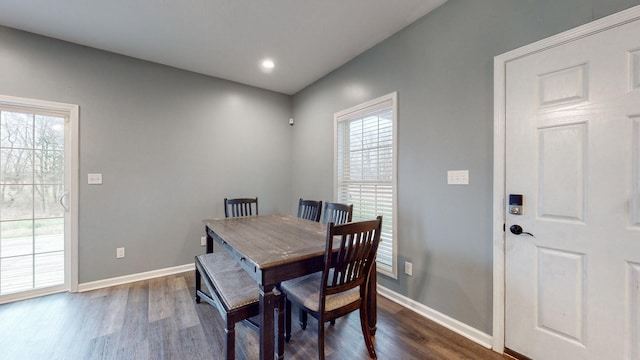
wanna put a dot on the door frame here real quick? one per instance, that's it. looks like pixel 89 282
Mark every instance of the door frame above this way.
pixel 499 149
pixel 71 162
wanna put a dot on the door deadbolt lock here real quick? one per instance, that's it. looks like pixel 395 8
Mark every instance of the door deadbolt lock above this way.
pixel 515 204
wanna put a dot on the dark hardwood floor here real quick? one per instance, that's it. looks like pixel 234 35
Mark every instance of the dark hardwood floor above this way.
pixel 159 319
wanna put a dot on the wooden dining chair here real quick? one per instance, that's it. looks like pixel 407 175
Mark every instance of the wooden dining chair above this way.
pixel 309 209
pixel 337 213
pixel 342 287
pixel 230 289
pixel 240 207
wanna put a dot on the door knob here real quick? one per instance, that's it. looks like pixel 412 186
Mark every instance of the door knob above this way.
pixel 517 230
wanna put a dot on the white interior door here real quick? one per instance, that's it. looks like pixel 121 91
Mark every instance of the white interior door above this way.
pixel 572 287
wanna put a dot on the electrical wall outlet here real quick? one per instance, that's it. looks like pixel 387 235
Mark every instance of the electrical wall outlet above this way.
pixel 203 241
pixel 408 268
pixel 119 253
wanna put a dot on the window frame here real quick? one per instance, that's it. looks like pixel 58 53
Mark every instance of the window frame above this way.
pixel 358 112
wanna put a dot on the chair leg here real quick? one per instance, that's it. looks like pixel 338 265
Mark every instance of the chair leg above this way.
pixel 198 285
pixel 230 345
pixel 302 318
pixel 287 320
pixel 368 338
pixel 280 334
pixel 320 339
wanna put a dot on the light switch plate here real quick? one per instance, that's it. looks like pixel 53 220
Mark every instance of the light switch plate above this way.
pixel 458 177
pixel 408 268
pixel 94 179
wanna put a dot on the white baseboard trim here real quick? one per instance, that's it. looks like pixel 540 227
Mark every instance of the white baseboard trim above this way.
pixel 94 285
pixel 452 324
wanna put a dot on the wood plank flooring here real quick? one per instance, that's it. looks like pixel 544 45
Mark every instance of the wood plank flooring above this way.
pixel 159 319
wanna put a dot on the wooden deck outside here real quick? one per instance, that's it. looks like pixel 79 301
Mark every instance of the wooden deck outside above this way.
pixel 26 264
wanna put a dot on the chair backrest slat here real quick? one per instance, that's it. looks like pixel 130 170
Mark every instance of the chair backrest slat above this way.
pixel 240 207
pixel 309 209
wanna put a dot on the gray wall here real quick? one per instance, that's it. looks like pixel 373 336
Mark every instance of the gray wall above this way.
pixel 442 68
pixel 170 144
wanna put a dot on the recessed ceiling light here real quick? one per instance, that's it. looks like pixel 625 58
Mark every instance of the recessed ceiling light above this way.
pixel 267 64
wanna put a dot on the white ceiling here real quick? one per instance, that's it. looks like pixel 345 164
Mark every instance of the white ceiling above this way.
pixel 307 39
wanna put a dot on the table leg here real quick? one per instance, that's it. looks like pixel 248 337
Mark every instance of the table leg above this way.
pixel 267 307
pixel 209 241
pixel 372 301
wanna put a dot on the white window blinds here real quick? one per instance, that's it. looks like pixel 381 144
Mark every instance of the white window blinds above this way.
pixel 366 168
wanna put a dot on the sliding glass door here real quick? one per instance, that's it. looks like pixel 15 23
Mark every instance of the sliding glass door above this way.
pixel 34 203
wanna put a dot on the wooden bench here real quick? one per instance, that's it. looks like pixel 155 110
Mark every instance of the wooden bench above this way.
pixel 235 294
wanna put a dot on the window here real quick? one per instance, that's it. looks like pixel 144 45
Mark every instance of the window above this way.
pixel 365 168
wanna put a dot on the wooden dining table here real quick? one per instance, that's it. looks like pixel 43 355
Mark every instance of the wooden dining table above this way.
pixel 274 248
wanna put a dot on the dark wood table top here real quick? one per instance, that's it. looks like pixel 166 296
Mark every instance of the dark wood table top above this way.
pixel 270 241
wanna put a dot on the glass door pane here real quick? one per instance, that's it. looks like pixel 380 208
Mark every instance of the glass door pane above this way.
pixel 31 188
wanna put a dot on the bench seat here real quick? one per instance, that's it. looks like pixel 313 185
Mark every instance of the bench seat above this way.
pixel 234 294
